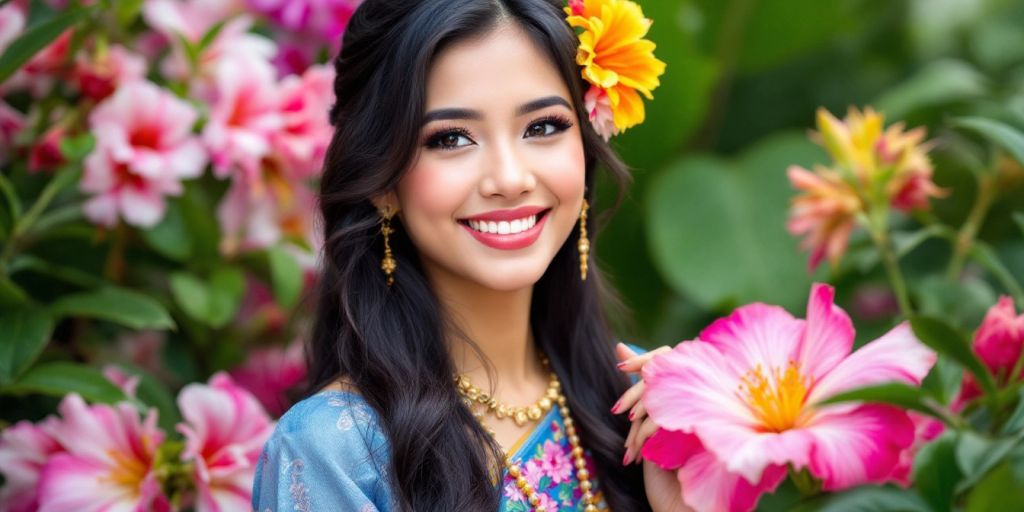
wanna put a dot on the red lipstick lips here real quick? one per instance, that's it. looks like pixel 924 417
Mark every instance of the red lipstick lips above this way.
pixel 507 240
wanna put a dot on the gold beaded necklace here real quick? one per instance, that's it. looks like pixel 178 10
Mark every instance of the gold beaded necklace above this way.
pixel 553 395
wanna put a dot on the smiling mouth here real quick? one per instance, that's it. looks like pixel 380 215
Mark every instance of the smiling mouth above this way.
pixel 504 227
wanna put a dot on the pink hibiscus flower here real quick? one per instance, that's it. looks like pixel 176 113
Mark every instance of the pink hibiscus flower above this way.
pixel 144 147
pixel 305 133
pixel 224 428
pixel 108 464
pixel 24 449
pixel 599 111
pixel 741 402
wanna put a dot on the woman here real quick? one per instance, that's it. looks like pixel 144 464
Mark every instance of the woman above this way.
pixel 455 196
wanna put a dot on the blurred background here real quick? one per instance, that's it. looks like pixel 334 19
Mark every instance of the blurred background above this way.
pixel 159 158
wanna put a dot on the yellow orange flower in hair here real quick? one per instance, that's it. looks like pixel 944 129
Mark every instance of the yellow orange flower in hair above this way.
pixel 617 61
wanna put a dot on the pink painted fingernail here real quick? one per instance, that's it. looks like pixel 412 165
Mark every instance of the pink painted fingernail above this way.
pixel 626 459
pixel 621 365
pixel 631 414
pixel 616 407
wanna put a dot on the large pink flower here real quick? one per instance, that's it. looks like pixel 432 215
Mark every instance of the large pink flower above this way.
pixel 108 464
pixel 270 372
pixel 24 449
pixel 748 391
pixel 98 76
pixel 244 116
pixel 302 140
pixel 224 428
pixel 144 147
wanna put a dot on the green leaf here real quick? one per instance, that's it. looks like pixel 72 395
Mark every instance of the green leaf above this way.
pixel 60 378
pixel 937 83
pixel 24 333
pixel 10 293
pixel 127 10
pixel 984 255
pixel 976 455
pixel 717 230
pixel 126 307
pixel 214 303
pixel 35 39
pixel 209 36
pixel 1016 421
pixel 67 274
pixel 286 276
pixel 867 499
pixel 1001 489
pixel 170 237
pixel 75 149
pixel 894 393
pixel 13 203
pixel 944 380
pixel 1018 217
pixel 946 340
pixel 1006 136
pixel 935 473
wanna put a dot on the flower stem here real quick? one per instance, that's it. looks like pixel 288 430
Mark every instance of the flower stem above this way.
pixel 965 237
pixel 880 235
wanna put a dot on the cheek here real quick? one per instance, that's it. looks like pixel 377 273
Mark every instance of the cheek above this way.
pixel 564 172
pixel 433 189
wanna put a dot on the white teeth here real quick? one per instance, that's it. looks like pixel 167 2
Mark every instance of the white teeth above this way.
pixel 504 227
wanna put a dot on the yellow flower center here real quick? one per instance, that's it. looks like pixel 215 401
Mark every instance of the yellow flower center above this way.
pixel 776 399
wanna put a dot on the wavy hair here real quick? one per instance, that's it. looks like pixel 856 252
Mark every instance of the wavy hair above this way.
pixel 389 342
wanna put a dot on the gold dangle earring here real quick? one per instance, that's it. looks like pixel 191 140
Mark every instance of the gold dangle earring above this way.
pixel 388 264
pixel 583 245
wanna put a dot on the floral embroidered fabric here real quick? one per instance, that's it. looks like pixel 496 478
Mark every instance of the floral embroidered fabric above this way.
pixel 329 453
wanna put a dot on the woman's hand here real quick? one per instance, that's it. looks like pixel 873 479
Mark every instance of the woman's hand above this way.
pixel 662 486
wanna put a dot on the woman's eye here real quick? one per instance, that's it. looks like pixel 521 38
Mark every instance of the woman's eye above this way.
pixel 547 127
pixel 449 140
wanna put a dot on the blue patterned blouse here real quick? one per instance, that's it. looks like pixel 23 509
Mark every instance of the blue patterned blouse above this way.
pixel 329 453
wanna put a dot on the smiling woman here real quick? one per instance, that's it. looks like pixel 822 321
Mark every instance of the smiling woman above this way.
pixel 460 359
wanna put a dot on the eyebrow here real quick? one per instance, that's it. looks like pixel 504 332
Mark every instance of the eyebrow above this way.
pixel 465 113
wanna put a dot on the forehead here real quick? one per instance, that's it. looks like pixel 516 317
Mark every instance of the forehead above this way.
pixel 494 72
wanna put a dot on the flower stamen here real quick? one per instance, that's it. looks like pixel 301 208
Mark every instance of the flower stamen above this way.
pixel 777 400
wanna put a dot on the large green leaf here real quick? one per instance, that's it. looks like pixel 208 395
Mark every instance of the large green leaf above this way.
pixel 24 333
pixel 938 83
pixel 867 499
pixel 944 339
pixel 171 236
pixel 1001 489
pixel 214 302
pixel 286 276
pixel 126 307
pixel 935 473
pixel 717 227
pixel 36 38
pixel 977 455
pixel 1006 136
pixel 60 378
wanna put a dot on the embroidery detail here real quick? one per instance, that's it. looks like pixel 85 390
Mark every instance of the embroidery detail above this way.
pixel 298 490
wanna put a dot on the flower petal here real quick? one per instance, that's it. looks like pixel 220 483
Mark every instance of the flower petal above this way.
pixel 708 485
pixel 829 335
pixel 756 335
pixel 896 356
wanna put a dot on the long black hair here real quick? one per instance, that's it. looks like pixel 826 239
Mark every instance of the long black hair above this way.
pixel 389 342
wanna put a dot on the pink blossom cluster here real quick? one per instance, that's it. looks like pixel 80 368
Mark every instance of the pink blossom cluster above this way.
pixel 108 457
pixel 741 404
pixel 998 343
pixel 224 105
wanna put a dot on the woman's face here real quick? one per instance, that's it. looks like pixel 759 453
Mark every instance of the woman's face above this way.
pixel 498 183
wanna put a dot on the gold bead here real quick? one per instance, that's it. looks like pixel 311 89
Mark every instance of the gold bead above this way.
pixel 533 413
pixel 561 400
pixel 577 451
pixel 553 394
pixel 580 463
pixel 544 403
pixel 590 508
pixel 521 482
pixel 574 440
pixel 568 422
pixel 519 417
pixel 585 485
pixel 583 474
pixel 513 471
pixel 534 500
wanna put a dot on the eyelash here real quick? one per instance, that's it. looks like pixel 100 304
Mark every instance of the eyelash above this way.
pixel 561 123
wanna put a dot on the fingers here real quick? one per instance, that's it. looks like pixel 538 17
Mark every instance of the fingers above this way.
pixel 629 398
pixel 634 363
pixel 639 432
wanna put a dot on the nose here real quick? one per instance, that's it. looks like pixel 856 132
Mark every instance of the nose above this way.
pixel 510 174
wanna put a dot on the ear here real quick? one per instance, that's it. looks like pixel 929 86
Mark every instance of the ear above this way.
pixel 382 201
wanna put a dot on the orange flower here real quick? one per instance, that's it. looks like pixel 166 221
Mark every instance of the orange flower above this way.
pixel 615 56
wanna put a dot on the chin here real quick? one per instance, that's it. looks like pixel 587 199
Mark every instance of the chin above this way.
pixel 508 278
